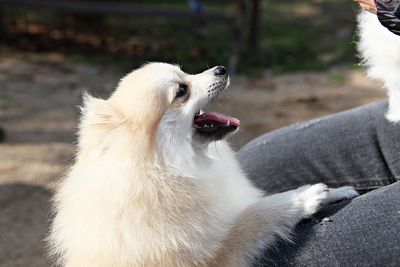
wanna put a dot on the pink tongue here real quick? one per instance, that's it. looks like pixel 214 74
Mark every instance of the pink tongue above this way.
pixel 215 118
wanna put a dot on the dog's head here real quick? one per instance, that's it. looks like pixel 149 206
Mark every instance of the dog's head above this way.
pixel 165 105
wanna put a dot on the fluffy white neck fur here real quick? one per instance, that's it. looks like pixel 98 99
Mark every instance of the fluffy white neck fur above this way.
pixel 380 52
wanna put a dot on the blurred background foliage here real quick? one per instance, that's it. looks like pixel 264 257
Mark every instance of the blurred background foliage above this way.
pixel 295 35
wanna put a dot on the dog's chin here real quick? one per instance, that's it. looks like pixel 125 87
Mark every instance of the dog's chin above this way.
pixel 219 134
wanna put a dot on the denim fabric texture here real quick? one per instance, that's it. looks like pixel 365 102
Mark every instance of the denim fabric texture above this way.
pixel 358 147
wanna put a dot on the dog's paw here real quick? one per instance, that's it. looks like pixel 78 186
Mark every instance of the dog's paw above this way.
pixel 393 116
pixel 312 197
pixel 341 193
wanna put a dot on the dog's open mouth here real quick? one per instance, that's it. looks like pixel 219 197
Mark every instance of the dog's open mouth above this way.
pixel 214 125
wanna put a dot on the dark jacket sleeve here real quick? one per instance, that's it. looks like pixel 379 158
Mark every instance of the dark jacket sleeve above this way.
pixel 388 12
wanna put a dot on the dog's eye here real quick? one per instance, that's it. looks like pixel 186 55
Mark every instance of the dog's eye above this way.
pixel 181 91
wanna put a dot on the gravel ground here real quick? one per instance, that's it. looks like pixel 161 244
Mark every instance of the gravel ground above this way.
pixel 39 95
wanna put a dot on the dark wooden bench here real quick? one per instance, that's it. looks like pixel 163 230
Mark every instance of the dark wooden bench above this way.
pixel 235 19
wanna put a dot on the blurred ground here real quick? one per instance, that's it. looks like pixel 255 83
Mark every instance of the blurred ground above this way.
pixel 39 95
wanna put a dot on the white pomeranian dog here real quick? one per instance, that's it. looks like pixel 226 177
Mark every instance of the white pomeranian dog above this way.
pixel 154 184
pixel 380 52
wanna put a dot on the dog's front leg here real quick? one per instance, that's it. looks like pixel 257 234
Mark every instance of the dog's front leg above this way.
pixel 257 226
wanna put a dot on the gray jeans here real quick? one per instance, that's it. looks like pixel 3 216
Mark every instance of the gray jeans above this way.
pixel 358 147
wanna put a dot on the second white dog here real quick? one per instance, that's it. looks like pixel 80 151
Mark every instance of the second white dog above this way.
pixel 380 51
pixel 154 184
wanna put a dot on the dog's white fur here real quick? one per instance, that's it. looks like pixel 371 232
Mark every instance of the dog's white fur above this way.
pixel 145 192
pixel 380 51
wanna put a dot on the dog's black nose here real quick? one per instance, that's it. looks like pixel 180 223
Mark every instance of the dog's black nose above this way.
pixel 219 71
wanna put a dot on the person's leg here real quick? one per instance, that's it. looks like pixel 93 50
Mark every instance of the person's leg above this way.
pixel 365 232
pixel 358 147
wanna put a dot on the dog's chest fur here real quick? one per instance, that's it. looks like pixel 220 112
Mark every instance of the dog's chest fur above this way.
pixel 145 217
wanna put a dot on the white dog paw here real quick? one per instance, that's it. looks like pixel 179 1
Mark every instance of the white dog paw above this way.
pixel 341 193
pixel 311 197
pixel 393 117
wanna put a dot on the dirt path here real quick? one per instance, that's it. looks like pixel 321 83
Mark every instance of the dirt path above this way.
pixel 39 95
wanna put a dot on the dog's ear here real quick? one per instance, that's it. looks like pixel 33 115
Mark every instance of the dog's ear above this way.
pixel 101 121
pixel 97 112
pixel 98 119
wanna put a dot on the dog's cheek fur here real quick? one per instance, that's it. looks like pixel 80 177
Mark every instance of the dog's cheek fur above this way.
pixel 380 53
